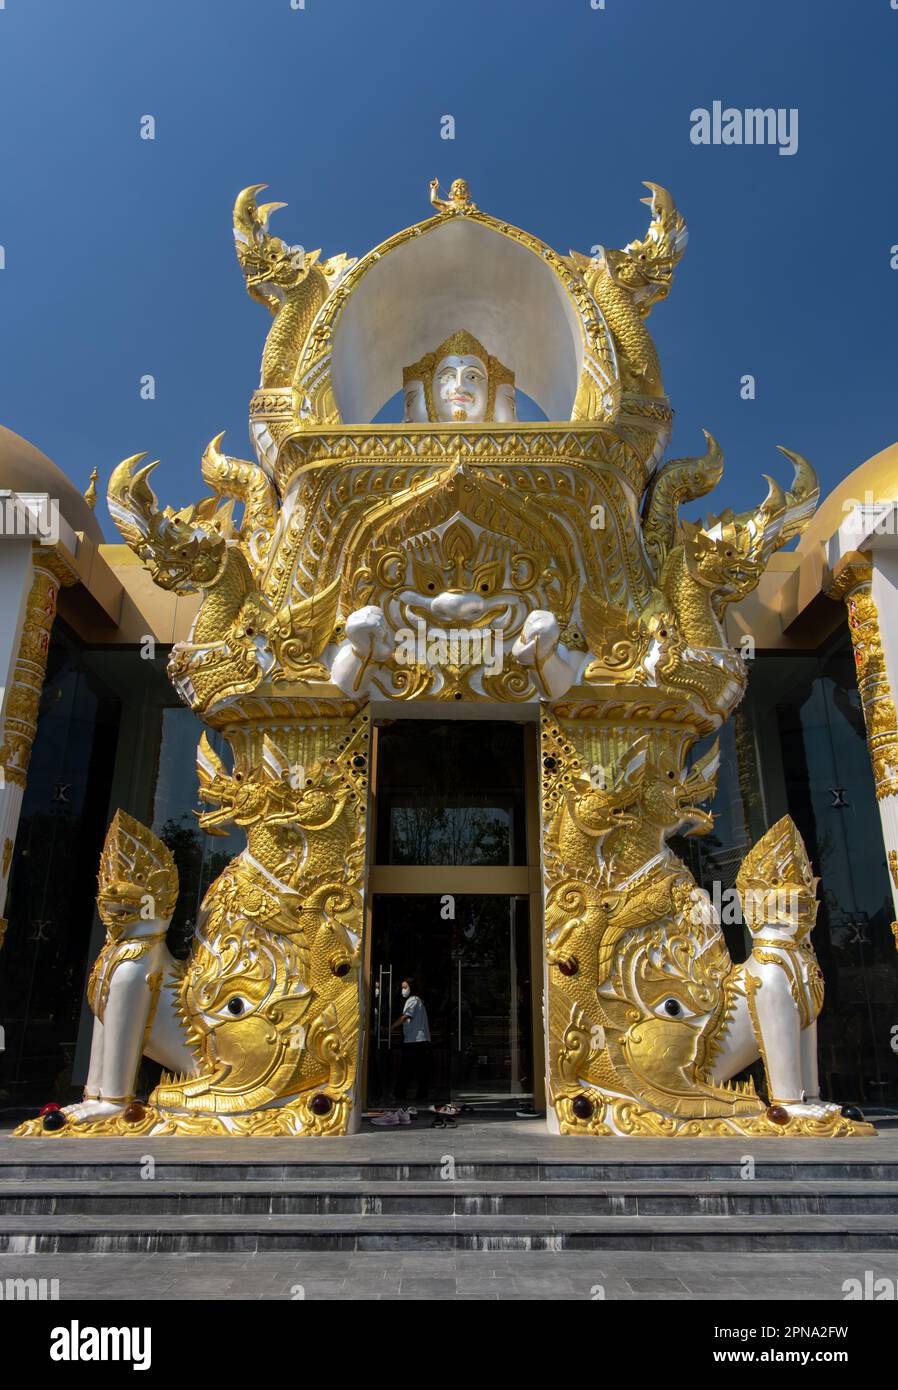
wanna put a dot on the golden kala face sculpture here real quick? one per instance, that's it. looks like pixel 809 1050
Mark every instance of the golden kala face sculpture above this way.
pixel 458 556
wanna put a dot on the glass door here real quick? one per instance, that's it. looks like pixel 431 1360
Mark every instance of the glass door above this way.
pixel 468 959
pixel 490 1060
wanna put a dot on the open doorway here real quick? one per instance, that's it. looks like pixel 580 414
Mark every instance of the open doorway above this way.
pixel 452 908
pixel 472 972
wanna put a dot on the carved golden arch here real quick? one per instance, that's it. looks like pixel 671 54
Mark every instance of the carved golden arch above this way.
pixel 597 393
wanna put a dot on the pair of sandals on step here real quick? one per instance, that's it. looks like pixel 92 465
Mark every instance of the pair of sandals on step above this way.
pixel 445 1116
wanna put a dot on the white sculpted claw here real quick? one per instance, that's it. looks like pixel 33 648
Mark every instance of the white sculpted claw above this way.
pixel 367 647
pixel 539 648
pixel 813 1109
pixel 93 1109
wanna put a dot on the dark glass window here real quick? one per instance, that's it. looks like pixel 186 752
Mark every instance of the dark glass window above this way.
pixel 200 858
pixel 450 792
pixel 797 744
pixel 53 877
pixel 110 734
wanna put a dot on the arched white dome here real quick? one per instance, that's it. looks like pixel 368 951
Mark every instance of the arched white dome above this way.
pixel 23 468
pixel 486 277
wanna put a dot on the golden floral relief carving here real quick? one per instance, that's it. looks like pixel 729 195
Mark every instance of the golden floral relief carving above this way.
pixel 23 698
pixel 854 584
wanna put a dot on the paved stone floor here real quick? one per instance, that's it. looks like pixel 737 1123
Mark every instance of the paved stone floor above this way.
pixel 520 1276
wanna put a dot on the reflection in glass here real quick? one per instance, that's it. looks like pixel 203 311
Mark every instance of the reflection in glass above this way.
pixel 473 975
pixel 53 878
pixel 200 858
pixel 798 745
pixel 450 792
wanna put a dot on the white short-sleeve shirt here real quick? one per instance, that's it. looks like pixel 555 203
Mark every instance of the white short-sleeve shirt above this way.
pixel 415 1028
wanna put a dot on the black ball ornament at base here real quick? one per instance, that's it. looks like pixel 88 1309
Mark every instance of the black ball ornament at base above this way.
pixel 321 1105
pixel 54 1120
pixel 582 1107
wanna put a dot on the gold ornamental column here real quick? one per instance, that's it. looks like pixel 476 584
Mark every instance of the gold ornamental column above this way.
pixel 49 574
pixel 853 583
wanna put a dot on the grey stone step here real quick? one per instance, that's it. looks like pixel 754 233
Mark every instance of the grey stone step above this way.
pixel 250 1234
pixel 86 1168
pixel 670 1197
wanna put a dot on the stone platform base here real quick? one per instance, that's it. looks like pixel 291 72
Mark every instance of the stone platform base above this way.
pixel 489 1186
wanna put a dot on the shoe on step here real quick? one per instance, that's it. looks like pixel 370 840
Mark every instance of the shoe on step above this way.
pixel 404 1116
pixel 388 1120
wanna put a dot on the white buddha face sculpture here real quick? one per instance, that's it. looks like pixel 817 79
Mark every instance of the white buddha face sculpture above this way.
pixel 460 382
pixel 460 388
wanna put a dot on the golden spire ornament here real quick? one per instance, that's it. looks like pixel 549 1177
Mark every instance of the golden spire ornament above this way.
pixel 90 494
pixel 459 199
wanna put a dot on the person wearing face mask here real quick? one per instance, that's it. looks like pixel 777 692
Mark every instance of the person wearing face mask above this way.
pixel 415 1059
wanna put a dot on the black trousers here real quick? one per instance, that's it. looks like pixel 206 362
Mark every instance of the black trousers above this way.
pixel 414 1064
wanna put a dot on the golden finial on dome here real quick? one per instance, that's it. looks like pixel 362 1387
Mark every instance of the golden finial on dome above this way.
pixel 459 199
pixel 90 495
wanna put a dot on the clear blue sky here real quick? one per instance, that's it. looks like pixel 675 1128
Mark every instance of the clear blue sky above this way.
pixel 119 255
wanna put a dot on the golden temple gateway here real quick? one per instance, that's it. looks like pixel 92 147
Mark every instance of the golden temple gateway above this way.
pixel 460 701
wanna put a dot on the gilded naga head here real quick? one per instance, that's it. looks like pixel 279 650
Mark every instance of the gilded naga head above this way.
pixel 273 794
pixel 185 550
pixel 729 553
pixel 646 267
